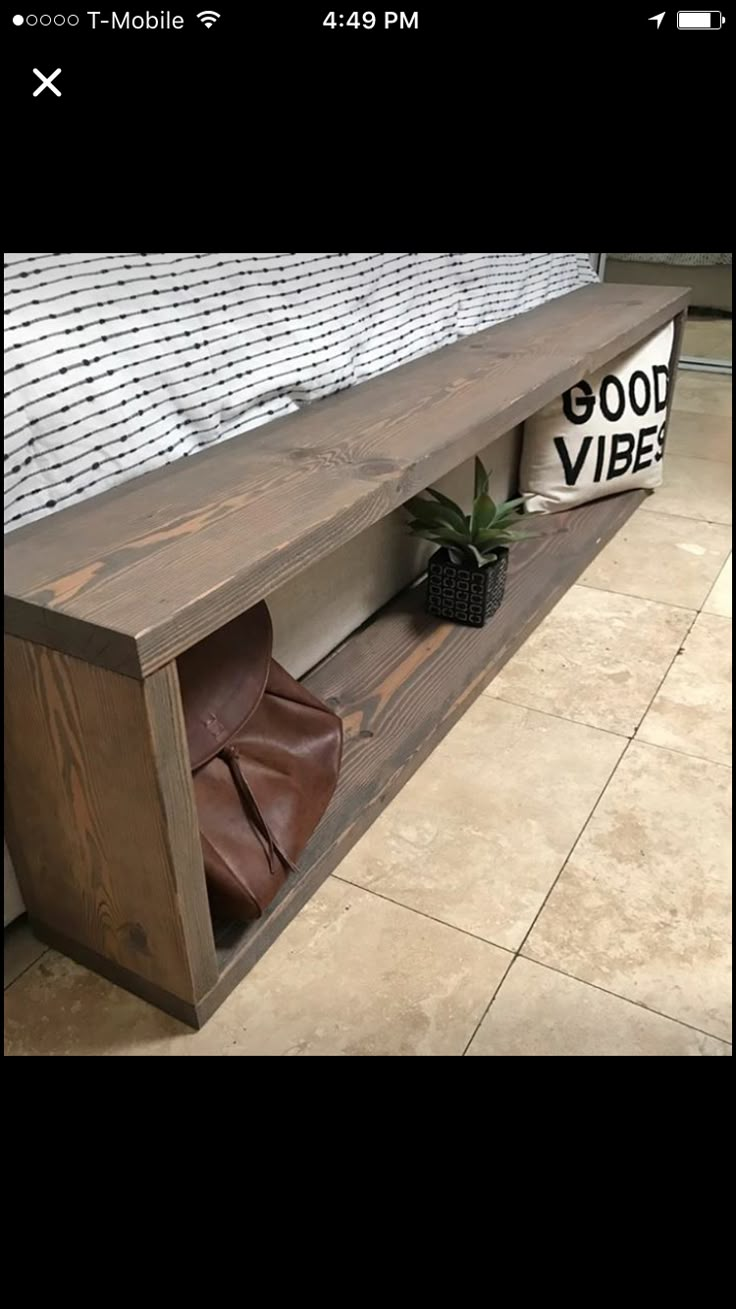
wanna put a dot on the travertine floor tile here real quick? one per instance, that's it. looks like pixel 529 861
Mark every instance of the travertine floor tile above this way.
pixel 540 1012
pixel 708 338
pixel 700 436
pixel 693 488
pixel 692 709
pixel 478 835
pixel 660 557
pixel 642 907
pixel 352 975
pixel 703 393
pixel 598 658
pixel 720 600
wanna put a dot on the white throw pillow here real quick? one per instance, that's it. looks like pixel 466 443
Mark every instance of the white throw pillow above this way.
pixel 604 435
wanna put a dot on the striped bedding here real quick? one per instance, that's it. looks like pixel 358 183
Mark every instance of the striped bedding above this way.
pixel 116 364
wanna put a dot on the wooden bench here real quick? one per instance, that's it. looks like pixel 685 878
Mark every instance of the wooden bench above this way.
pixel 100 600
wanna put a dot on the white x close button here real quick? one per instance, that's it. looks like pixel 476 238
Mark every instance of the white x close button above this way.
pixel 46 82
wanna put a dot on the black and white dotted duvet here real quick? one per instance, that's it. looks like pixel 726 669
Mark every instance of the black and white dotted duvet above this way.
pixel 118 363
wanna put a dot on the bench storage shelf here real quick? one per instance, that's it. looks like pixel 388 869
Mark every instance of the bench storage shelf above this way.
pixel 102 598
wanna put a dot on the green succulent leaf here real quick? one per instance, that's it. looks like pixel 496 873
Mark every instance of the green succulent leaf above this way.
pixel 429 533
pixel 475 539
pixel 440 534
pixel 445 535
pixel 489 537
pixel 484 512
pixel 508 507
pixel 494 536
pixel 436 515
pixel 424 509
pixel 444 500
pixel 482 478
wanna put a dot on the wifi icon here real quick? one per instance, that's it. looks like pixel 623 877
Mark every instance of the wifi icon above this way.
pixel 208 16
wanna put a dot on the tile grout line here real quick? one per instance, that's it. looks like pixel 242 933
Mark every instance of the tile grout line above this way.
pixel 488 1007
pixel 686 754
pixel 622 736
pixel 639 1004
pixel 665 513
pixel 631 595
pixel 689 518
pixel 680 650
pixel 608 783
pixel 421 913
pixel 560 718
pixel 515 953
pixel 628 736
pixel 590 817
pixel 712 612
pixel 25 970
pixel 556 879
pixel 610 731
pixel 629 739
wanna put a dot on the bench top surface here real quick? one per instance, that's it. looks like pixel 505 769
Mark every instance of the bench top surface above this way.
pixel 134 576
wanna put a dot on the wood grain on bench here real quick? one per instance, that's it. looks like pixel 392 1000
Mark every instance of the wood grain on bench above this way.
pixel 131 578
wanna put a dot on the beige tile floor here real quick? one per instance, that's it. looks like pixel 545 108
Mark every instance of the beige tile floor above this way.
pixel 553 880
pixel 708 338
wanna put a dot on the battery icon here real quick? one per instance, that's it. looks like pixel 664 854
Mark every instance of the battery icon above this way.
pixel 700 20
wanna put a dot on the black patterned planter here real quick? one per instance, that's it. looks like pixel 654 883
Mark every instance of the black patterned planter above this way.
pixel 465 594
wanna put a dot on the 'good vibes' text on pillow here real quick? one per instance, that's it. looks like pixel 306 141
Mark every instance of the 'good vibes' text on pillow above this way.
pixel 608 428
pixel 620 452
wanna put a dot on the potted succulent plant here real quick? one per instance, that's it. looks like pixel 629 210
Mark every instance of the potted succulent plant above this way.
pixel 466 577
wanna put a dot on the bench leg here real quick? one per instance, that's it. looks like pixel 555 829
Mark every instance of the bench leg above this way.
pixel 101 823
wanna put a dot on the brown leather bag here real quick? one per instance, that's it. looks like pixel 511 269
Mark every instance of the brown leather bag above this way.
pixel 265 756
